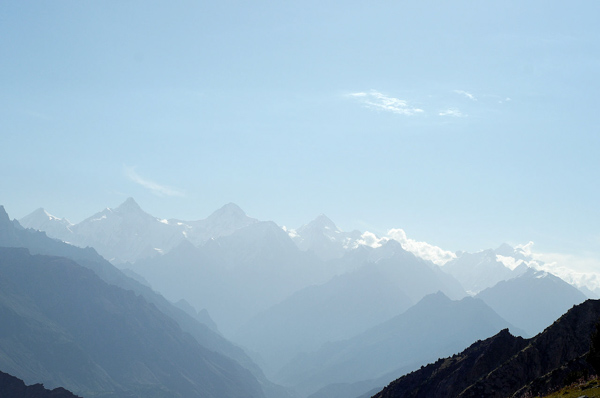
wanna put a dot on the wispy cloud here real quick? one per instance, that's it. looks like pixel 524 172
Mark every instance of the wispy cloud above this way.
pixel 155 188
pixel 378 101
pixel 453 112
pixel 466 94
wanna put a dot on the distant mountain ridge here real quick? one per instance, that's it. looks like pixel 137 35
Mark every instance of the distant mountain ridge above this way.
pixel 127 233
pixel 532 300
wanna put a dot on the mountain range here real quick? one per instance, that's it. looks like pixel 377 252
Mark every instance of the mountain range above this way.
pixel 325 313
pixel 127 233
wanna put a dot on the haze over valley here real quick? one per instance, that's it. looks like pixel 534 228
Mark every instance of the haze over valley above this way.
pixel 317 199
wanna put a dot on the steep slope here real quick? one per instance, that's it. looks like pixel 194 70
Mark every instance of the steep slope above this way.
pixel 13 235
pixel 503 365
pixel 435 326
pixel 533 300
pixel 12 387
pixel 73 329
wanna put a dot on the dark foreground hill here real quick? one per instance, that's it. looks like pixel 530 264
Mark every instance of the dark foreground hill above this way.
pixel 12 387
pixel 508 366
pixel 13 235
pixel 63 326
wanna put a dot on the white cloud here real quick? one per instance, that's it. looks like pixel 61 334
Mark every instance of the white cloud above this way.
pixel 154 187
pixel 424 250
pixel 452 112
pixel 371 240
pixel 376 100
pixel 466 94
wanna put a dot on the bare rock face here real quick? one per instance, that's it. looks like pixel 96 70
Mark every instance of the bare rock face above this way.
pixel 504 365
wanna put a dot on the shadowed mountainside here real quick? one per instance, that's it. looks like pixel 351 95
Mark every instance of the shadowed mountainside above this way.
pixel 13 235
pixel 64 326
pixel 12 387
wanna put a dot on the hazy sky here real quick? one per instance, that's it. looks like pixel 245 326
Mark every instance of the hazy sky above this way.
pixel 465 123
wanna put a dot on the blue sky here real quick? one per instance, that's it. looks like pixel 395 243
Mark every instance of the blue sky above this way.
pixel 467 124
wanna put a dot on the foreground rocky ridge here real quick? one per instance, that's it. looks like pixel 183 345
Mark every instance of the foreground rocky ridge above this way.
pixel 507 366
pixel 12 387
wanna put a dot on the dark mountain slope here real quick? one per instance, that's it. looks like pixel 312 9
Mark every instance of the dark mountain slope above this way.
pixel 12 387
pixel 90 337
pixel 504 365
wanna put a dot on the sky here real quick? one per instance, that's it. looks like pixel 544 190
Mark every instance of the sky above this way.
pixel 466 124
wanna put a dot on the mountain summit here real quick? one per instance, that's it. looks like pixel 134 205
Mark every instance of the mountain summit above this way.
pixel 129 206
pixel 324 238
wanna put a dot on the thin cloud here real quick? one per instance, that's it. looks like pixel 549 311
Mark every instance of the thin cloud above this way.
pixel 378 101
pixel 155 188
pixel 453 112
pixel 466 94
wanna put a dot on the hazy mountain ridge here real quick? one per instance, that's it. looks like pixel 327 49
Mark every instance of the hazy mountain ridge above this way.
pixel 436 324
pixel 150 236
pixel 533 300
pixel 503 365
pixel 235 276
pixel 127 233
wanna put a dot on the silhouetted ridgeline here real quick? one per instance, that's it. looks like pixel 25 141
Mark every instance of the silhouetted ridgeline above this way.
pixel 12 387
pixel 508 366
